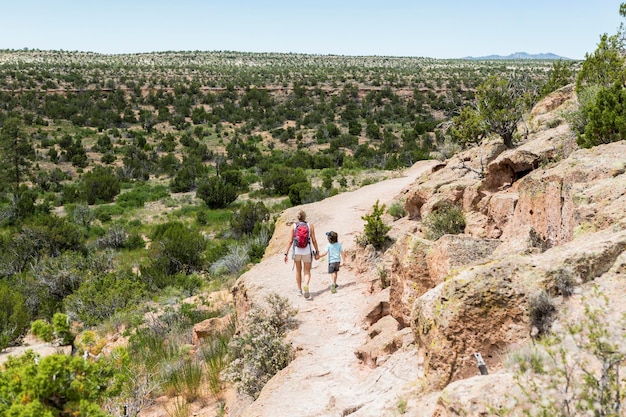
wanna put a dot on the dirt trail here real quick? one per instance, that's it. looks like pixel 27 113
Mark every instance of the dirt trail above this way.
pixel 326 379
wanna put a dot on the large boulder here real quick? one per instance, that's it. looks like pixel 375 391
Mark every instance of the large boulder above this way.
pixel 477 396
pixel 455 181
pixel 558 200
pixel 419 265
pixel 410 277
pixel 484 308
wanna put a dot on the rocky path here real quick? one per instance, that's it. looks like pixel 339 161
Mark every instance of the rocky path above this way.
pixel 326 378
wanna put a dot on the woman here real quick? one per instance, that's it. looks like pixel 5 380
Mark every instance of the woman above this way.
pixel 303 253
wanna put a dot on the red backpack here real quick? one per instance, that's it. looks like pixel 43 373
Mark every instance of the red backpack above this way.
pixel 301 235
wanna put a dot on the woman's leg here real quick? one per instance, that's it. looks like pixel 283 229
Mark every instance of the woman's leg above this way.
pixel 307 273
pixel 299 274
pixel 307 279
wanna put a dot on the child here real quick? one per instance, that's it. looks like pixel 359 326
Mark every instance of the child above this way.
pixel 336 254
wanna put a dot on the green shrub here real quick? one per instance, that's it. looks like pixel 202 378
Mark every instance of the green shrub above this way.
pixel 375 231
pixel 448 219
pixel 55 385
pixel 61 327
pixel 101 296
pixel 202 218
pixel 42 329
pixel 252 215
pixel 177 248
pixel 298 192
pixel 279 179
pixel 106 213
pixel 396 210
pixel 14 317
pixel 606 118
pixel 100 185
pixel 216 192
pixel 138 196
pixel 261 351
pixel 134 241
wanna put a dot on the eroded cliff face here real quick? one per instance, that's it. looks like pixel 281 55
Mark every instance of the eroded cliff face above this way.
pixel 534 214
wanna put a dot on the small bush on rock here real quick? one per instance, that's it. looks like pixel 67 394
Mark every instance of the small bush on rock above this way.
pixel 574 372
pixel 261 351
pixel 375 231
pixel 396 210
pixel 541 310
pixel 448 219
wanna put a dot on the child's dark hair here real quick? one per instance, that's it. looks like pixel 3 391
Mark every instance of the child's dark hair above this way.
pixel 332 237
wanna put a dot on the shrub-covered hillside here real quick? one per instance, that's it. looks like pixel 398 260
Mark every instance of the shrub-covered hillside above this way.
pixel 129 183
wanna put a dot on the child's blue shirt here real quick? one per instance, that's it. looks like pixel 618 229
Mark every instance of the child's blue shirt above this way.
pixel 334 252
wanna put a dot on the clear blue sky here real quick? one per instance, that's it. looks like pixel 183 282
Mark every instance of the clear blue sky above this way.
pixel 423 28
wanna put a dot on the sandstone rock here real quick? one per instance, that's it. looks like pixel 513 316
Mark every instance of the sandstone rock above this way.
pixel 558 200
pixel 553 101
pixel 477 396
pixel 385 338
pixel 377 308
pixel 477 224
pixel 500 209
pixel 450 252
pixel 525 241
pixel 209 328
pixel 410 277
pixel 481 309
pixel 448 182
pixel 420 265
pixel 484 308
pixel 584 259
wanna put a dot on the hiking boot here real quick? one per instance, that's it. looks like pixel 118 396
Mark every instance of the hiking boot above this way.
pixel 333 288
pixel 306 291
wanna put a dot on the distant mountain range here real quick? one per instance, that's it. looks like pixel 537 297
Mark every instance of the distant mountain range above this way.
pixel 519 55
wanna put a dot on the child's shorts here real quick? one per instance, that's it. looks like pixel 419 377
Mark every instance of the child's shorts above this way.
pixel 333 267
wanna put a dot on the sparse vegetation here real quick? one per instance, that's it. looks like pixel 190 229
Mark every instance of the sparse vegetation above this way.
pixel 576 371
pixel 396 210
pixel 261 351
pixel 215 355
pixel 402 405
pixel 542 312
pixel 375 229
pixel 447 219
